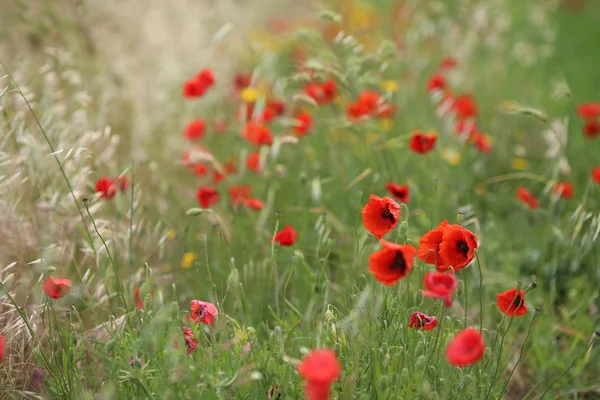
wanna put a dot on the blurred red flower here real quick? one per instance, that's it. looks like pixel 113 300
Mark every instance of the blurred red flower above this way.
pixel 392 263
pixel 190 340
pixel 254 204
pixel 422 143
pixel 319 368
pixel 511 303
pixel 200 169
pixel 286 237
pixel 466 348
pixel 440 286
pixel 253 162
pixel 239 193
pixel 400 192
pixel 436 82
pixel 448 63
pixel 321 93
pixel 527 198
pixel 202 311
pixel 257 134
pixel 106 188
pixel 139 302
pixel 303 123
pixel 418 320
pixel 589 111
pixel 564 190
pixel 277 106
pixel 241 81
pixel 380 215
pixel 596 174
pixel 591 129
pixel 207 196
pixel 57 287
pixel 465 107
pixel 198 85
pixel 194 130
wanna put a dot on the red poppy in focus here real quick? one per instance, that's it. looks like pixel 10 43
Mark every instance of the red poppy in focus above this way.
pixel 253 162
pixel 436 82
pixel 589 111
pixel 239 193
pixel 106 188
pixel 319 368
pixel 202 311
pixel 440 286
pixel 418 320
pixel 392 263
pixel 591 129
pixel 511 303
pixel 200 169
pixel 465 107
pixel 257 134
pixel 457 248
pixel 596 174
pixel 207 196
pixel 254 204
pixel 429 246
pixel 448 63
pixel 527 198
pixel 466 348
pixel 286 237
pixel 190 340
pixel 400 192
pixel 194 130
pixel 303 123
pixel 380 215
pixel 422 143
pixel 241 81
pixel 564 190
pixel 57 287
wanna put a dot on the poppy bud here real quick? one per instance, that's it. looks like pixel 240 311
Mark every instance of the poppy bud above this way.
pixel 538 309
pixel 403 228
pixel 597 333
pixel 532 285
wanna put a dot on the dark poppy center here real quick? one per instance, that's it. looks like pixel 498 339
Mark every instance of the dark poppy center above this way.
pixel 518 301
pixel 387 215
pixel 398 263
pixel 462 247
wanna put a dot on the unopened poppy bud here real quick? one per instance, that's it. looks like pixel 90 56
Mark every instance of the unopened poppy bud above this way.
pixel 51 269
pixel 538 309
pixel 403 228
pixel 532 285
pixel 597 333
pixel 85 199
pixel 194 211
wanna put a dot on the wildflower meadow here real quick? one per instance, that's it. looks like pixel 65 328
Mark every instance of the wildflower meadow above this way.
pixel 261 199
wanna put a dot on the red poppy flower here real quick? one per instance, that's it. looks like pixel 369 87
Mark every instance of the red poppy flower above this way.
pixel 254 204
pixel 257 134
pixel 190 340
pixel 278 106
pixel 466 127
pixel 418 320
pixel 440 286
pixel 481 141
pixel 198 85
pixel 206 78
pixel 422 143
pixel 200 169
pixel 286 237
pixel 380 215
pixel 429 246
pixel 564 190
pixel 392 263
pixel 202 312
pixel 241 81
pixel 207 196
pixel 457 248
pixel 596 174
pixel 106 188
pixel 303 123
pixel 527 198
pixel 319 368
pixel 356 110
pixel 436 82
pixel 267 116
pixel 239 193
pixel 511 303
pixel 253 162
pixel 589 111
pixel 321 93
pixel 1 347
pixel 385 111
pixel 370 99
pixel 57 287
pixel 448 63
pixel 217 177
pixel 591 129
pixel 400 192
pixel 465 107
pixel 466 348
pixel 194 130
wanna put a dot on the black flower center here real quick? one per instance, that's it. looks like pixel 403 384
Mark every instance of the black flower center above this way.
pixel 462 247
pixel 518 301
pixel 398 263
pixel 387 215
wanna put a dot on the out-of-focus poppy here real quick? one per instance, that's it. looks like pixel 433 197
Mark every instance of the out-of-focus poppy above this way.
pixel 465 107
pixel 253 162
pixel 436 82
pixel 418 320
pixel 440 286
pixel 190 340
pixel 564 190
pixel 589 111
pixel 200 169
pixel 254 204
pixel 321 93
pixel 194 130
pixel 303 123
pixel 511 303
pixel 448 63
pixel 457 248
pixel 320 368
pixel 591 129
pixel 466 348
pixel 241 81
pixel 57 287
pixel 139 302
pixel 380 215
pixel 286 237
pixel 400 192
pixel 207 196
pixel 277 106
pixel 106 188
pixel 199 84
pixel 202 311
pixel 239 193
pixel 257 134
pixel 596 174
pixel 527 198
pixel 392 263
pixel 421 142
pixel 122 181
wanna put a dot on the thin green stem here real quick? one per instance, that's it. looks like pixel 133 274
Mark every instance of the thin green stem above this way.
pixel 480 292
pixel 131 214
pixel 275 271
pixel 499 356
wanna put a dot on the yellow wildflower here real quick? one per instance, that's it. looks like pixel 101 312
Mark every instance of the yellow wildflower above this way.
pixel 386 124
pixel 451 156
pixel 171 234
pixel 480 189
pixel 390 86
pixel 250 95
pixel 520 164
pixel 188 259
